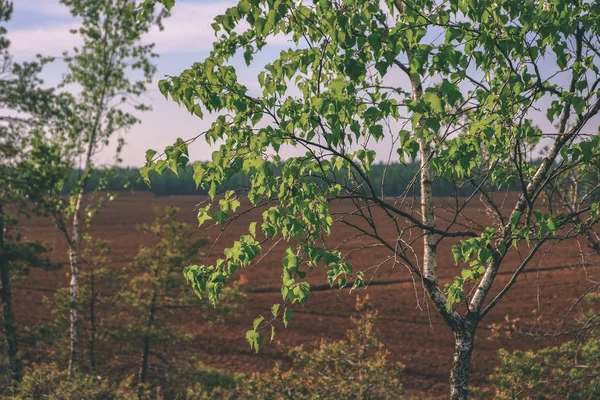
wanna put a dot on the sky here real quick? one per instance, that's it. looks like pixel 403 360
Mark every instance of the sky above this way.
pixel 42 27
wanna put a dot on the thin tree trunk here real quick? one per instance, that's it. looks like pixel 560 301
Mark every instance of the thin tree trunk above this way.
pixel 426 178
pixel 10 327
pixel 146 345
pixel 74 243
pixel 101 106
pixel 459 374
pixel 464 329
pixel 73 256
pixel 427 211
pixel 92 321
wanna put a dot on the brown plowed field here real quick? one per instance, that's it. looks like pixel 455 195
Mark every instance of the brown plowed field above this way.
pixel 414 336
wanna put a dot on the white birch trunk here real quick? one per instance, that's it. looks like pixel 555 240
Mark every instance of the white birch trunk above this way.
pixel 464 329
pixel 427 211
pixel 73 258
pixel 76 230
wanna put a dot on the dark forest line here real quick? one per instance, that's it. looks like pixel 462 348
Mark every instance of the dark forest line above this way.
pixel 398 177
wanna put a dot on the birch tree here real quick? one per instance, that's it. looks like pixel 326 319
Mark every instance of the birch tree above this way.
pixel 468 88
pixel 110 70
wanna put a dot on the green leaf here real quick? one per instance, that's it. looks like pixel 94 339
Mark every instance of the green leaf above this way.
pixel 376 131
pixel 145 173
pixel 163 86
pixel 579 104
pixel 551 225
pixel 514 219
pixel 255 339
pixel 337 88
pixel 252 229
pixel 257 321
pixel 275 309
pixel 150 155
pixel 434 102
pixel 594 210
pixel 451 91
pixel 466 274
pixel 197 110
pixel 287 316
pixel 199 171
pixel 204 215
pixel 318 102
pixel 220 216
pixel 457 253
pixel 212 191
pixel 167 3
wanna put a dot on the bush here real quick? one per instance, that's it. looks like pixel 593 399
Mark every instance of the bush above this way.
pixel 5 372
pixel 354 368
pixel 47 381
pixel 570 371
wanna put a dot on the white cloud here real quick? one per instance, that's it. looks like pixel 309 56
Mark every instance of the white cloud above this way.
pixel 48 40
pixel 45 7
pixel 188 30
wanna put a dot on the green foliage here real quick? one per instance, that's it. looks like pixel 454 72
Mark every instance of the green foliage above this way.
pixel 97 274
pixel 477 252
pixel 354 368
pixel 31 163
pixel 153 289
pixel 6 374
pixel 108 72
pixel 143 9
pixel 101 71
pixel 48 381
pixel 21 256
pixel 475 83
pixel 206 383
pixel 158 267
pixel 570 371
pixel 137 303
pixel 30 167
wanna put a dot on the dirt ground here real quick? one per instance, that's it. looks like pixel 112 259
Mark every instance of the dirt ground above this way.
pixel 414 334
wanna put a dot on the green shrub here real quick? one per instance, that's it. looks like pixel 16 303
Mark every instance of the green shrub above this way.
pixel 5 372
pixel 570 371
pixel 354 368
pixel 48 381
pixel 211 383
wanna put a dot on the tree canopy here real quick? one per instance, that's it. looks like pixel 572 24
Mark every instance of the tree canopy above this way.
pixel 469 89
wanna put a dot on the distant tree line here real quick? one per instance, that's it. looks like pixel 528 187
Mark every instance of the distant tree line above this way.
pixel 399 180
